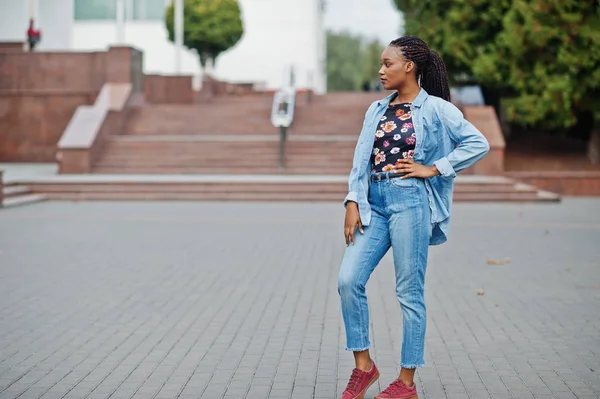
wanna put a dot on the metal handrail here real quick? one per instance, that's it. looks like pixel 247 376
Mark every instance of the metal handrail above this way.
pixel 282 116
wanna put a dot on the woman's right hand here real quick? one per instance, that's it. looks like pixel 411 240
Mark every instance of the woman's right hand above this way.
pixel 352 221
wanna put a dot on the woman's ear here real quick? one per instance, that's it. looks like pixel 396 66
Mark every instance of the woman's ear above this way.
pixel 410 66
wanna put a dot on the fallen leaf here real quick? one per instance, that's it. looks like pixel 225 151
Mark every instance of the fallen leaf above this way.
pixel 498 262
pixel 589 287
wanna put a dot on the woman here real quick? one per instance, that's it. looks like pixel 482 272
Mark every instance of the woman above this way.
pixel 400 191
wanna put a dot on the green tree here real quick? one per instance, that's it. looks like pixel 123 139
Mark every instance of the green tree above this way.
pixel 343 72
pixel 210 26
pixel 548 56
pixel 351 61
pixel 541 57
pixel 372 62
pixel 459 30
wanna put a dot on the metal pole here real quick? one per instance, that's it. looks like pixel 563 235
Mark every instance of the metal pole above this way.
pixel 120 22
pixel 178 34
pixel 32 9
pixel 282 140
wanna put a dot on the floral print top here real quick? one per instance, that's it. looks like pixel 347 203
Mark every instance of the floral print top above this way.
pixel 395 138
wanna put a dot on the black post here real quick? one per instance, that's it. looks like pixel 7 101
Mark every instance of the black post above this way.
pixel 282 140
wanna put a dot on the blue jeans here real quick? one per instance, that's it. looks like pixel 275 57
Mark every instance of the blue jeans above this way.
pixel 401 219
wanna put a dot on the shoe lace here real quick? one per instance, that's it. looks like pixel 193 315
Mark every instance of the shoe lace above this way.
pixel 395 388
pixel 354 381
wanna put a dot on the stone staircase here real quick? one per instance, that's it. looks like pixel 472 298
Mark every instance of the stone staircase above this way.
pixel 227 149
pixel 225 154
pixel 333 114
pixel 14 194
pixel 229 115
pixel 213 187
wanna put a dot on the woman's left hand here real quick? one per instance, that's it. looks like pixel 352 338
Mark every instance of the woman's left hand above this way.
pixel 413 169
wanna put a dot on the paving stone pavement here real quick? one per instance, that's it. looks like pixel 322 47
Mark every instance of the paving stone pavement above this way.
pixel 238 300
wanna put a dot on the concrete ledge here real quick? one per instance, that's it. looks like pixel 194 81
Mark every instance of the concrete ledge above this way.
pixel 576 183
pixel 83 128
pixel 228 178
pixel 82 140
pixel 12 46
pixel 47 93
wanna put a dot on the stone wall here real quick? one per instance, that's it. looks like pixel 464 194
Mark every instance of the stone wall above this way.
pixel 161 89
pixel 40 91
pixel 575 183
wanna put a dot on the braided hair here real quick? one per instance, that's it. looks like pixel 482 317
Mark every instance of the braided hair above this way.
pixel 431 70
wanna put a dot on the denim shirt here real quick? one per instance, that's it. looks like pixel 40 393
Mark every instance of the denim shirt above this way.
pixel 444 139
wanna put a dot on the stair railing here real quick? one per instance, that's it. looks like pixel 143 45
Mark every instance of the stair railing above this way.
pixel 282 116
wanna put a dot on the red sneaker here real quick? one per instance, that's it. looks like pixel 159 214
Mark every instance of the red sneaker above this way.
pixel 359 382
pixel 399 390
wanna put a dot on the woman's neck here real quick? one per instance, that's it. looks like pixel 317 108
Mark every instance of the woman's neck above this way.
pixel 406 94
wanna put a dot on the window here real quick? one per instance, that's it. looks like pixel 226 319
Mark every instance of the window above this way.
pixel 137 10
pixel 146 9
pixel 95 9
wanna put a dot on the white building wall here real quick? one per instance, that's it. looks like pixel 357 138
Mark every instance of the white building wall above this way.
pixel 147 36
pixel 55 19
pixel 278 34
pixel 14 20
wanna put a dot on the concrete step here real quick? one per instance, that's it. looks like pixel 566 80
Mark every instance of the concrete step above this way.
pixel 333 113
pixel 25 199
pixel 108 169
pixel 248 115
pixel 323 165
pixel 12 190
pixel 256 188
pixel 267 196
pixel 162 154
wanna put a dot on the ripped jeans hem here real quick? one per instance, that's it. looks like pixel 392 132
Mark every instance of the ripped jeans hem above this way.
pixel 411 366
pixel 358 349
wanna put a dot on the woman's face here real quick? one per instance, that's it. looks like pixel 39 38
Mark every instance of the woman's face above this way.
pixel 395 69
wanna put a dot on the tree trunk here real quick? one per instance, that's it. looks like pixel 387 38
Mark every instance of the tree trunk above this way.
pixel 594 146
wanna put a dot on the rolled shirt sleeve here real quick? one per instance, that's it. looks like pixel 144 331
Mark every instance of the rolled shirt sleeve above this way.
pixel 445 168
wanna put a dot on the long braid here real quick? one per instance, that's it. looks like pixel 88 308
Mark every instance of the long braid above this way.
pixel 431 70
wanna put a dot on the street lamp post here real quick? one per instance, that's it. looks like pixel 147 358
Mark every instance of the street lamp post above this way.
pixel 120 22
pixel 32 9
pixel 178 34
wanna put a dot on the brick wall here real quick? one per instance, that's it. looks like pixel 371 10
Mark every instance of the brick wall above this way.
pixel 160 89
pixel 39 92
pixel 11 46
pixel 576 183
pixel 52 71
pixel 31 124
